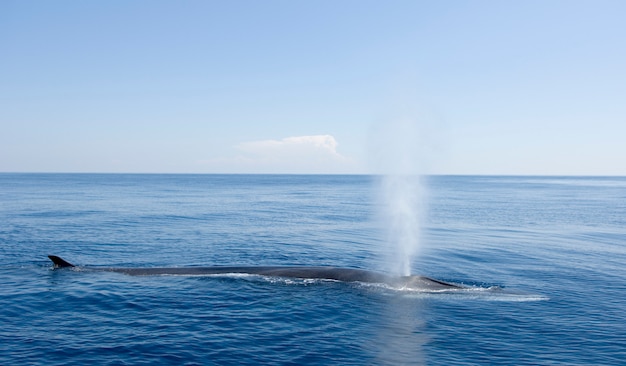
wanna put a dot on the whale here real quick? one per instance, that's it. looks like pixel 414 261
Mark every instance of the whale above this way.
pixel 301 272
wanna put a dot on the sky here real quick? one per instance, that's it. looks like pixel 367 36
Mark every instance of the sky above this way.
pixel 313 87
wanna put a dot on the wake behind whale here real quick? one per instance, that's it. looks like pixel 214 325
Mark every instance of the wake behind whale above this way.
pixel 302 272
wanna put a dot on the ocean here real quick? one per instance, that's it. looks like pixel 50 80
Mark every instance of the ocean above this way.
pixel 543 260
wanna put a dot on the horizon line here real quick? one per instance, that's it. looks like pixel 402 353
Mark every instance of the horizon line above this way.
pixel 327 174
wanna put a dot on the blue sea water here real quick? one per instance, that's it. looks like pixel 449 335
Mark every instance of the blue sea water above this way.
pixel 544 259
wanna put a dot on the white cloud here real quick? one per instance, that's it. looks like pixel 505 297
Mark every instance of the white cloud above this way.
pixel 316 154
pixel 317 144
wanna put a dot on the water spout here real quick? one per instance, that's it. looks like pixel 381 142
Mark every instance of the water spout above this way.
pixel 403 210
pixel 399 154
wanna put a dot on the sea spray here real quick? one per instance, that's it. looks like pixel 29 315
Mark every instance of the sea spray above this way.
pixel 398 153
pixel 403 207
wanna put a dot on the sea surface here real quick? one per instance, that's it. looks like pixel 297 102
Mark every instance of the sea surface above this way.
pixel 543 260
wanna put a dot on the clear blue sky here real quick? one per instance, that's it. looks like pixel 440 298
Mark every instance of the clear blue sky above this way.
pixel 443 87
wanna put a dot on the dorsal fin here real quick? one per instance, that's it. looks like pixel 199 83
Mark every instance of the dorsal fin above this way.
pixel 60 262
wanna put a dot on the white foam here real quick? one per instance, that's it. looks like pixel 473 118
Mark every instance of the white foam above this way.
pixel 493 293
